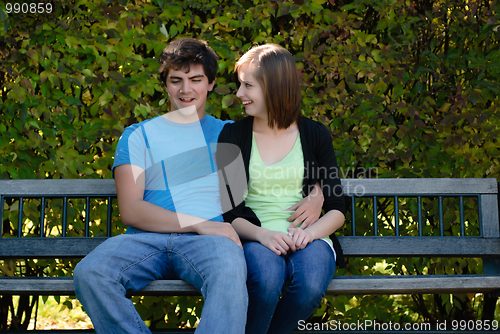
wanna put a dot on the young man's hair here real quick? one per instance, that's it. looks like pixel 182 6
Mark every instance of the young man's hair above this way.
pixel 183 52
pixel 276 72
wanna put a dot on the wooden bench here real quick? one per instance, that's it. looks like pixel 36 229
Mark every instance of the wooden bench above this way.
pixel 385 240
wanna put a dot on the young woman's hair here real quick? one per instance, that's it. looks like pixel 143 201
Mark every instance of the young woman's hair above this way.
pixel 276 72
pixel 181 53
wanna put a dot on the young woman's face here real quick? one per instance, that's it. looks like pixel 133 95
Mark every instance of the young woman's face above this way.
pixel 250 93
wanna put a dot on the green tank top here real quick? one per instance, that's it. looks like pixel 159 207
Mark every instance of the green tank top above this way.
pixel 274 188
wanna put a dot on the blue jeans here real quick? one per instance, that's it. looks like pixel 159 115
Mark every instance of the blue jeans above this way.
pixel 285 289
pixel 215 265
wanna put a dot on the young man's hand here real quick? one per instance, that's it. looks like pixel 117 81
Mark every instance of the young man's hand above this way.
pixel 217 228
pixel 307 210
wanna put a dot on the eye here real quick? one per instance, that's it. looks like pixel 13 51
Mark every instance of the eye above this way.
pixel 174 81
pixel 248 85
pixel 196 80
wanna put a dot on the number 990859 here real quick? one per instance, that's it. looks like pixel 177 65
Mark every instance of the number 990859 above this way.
pixel 28 8
pixel 474 325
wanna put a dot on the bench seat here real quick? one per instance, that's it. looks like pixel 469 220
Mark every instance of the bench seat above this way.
pixel 340 285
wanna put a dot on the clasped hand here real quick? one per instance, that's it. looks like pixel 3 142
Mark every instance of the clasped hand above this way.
pixel 281 243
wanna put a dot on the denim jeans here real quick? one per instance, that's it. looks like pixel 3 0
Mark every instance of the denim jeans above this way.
pixel 215 265
pixel 285 289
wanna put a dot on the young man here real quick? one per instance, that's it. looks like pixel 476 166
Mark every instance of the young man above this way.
pixel 168 195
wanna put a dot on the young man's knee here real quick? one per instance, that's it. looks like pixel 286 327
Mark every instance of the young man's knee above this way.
pixel 231 260
pixel 234 272
pixel 82 271
pixel 87 270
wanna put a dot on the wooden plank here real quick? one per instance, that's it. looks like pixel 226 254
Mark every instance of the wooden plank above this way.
pixel 47 247
pixel 351 186
pixel 359 246
pixel 420 284
pixel 419 186
pixel 489 215
pixel 67 187
pixel 420 246
pixel 340 285
pixel 64 286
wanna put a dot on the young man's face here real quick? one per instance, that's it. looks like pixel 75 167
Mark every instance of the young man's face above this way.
pixel 188 89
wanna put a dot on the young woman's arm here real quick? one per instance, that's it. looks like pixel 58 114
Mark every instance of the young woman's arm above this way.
pixel 325 226
pixel 334 205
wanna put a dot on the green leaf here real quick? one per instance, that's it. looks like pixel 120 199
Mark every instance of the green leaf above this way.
pixel 223 19
pixel 116 76
pixel 173 30
pixel 164 31
pixel 74 101
pixel 222 89
pixel 227 101
pixel 473 98
pixel 105 98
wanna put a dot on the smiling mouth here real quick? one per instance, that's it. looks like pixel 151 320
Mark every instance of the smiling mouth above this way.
pixel 245 103
pixel 186 99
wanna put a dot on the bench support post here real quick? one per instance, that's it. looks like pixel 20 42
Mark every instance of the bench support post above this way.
pixel 491 266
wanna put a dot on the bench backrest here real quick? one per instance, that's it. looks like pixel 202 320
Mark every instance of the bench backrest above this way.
pixel 367 233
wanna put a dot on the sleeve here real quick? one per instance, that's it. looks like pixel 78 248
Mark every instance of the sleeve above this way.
pixel 329 172
pixel 231 177
pixel 131 149
pixel 330 182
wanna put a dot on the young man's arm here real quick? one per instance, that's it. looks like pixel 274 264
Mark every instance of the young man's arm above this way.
pixel 307 210
pixel 134 211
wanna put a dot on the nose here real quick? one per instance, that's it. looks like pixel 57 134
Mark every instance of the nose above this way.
pixel 185 87
pixel 239 93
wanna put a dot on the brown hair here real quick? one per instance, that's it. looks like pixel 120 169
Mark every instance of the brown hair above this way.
pixel 183 52
pixel 277 74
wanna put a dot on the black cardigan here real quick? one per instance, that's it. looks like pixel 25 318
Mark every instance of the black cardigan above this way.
pixel 319 162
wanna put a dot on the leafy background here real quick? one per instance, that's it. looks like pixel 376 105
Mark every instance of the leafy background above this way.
pixel 408 88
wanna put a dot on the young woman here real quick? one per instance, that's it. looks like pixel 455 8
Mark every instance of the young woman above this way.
pixel 285 154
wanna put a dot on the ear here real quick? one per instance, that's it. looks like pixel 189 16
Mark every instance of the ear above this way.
pixel 211 86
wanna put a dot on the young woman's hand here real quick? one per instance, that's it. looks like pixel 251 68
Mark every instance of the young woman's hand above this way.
pixel 278 242
pixel 300 237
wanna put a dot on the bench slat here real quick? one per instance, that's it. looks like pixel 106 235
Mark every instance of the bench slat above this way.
pixel 340 285
pixel 353 246
pixel 47 247
pixel 419 284
pixel 388 246
pixel 59 187
pixel 419 186
pixel 414 186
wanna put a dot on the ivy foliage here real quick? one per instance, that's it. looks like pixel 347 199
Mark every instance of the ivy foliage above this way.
pixel 408 88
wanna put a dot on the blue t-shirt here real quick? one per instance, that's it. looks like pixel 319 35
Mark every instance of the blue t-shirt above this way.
pixel 179 164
